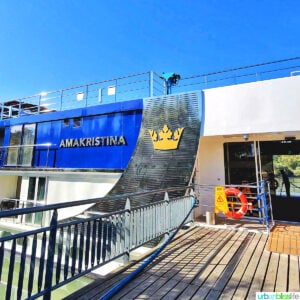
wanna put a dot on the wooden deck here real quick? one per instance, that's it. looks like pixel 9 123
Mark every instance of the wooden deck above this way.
pixel 207 263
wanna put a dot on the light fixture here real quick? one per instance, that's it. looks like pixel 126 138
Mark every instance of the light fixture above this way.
pixel 246 137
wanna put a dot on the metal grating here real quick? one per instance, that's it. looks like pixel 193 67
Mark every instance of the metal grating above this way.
pixel 151 169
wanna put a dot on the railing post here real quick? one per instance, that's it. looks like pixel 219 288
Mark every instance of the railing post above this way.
pixel 39 104
pixel 127 232
pixel 50 258
pixel 151 83
pixel 167 215
pixel 61 100
pixel 192 194
pixel 86 95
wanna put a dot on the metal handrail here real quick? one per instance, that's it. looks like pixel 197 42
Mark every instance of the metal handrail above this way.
pixel 138 85
pixel 145 84
pixel 64 251
pixel 55 206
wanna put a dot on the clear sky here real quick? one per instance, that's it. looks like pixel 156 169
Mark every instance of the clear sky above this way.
pixel 52 44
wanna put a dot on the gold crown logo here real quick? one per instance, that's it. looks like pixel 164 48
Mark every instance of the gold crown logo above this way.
pixel 165 139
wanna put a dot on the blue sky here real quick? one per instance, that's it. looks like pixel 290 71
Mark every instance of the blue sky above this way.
pixel 49 45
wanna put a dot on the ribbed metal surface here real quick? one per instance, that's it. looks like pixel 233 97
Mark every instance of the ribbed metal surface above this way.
pixel 151 169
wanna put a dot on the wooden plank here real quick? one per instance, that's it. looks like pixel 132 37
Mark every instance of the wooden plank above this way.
pixel 271 273
pixel 204 254
pixel 165 289
pixel 151 289
pixel 282 274
pixel 242 257
pixel 259 276
pixel 294 274
pixel 245 282
pixel 206 280
pixel 197 255
pixel 188 292
pixel 235 268
pixel 207 269
pixel 172 252
pixel 139 289
pixel 132 285
pixel 176 291
pixel 175 265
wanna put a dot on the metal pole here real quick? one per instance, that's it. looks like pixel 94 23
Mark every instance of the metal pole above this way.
pixel 127 232
pixel 50 258
pixel 151 84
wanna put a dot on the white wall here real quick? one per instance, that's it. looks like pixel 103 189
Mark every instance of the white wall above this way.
pixel 62 189
pixel 209 171
pixel 65 187
pixel 257 107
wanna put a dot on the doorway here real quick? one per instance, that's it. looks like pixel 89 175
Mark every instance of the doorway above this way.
pixel 254 161
pixel 281 159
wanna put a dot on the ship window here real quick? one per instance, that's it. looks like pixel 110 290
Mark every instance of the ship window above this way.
pixel 14 145
pixel 1 136
pixel 66 122
pixel 21 145
pixel 239 162
pixel 76 122
pixel 35 196
pixel 27 142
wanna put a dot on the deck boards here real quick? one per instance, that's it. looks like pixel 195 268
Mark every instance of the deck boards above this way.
pixel 208 263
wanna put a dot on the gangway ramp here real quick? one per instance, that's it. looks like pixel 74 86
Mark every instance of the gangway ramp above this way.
pixel 207 263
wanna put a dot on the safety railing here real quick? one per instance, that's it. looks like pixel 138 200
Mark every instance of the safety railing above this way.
pixel 258 72
pixel 125 88
pixel 251 201
pixel 142 85
pixel 43 259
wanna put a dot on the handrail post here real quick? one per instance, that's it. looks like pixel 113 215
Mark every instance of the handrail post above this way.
pixel 61 100
pixel 127 232
pixel 39 104
pixel 196 204
pixel 86 95
pixel 167 216
pixel 151 83
pixel 50 258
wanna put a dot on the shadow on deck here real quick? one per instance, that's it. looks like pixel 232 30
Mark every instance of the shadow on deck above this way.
pixel 206 263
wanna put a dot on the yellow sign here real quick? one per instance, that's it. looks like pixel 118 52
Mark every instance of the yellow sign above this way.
pixel 221 204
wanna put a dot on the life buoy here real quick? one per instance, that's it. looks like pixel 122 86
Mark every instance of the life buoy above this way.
pixel 244 203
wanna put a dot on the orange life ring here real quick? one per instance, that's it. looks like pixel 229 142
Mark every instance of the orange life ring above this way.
pixel 244 203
